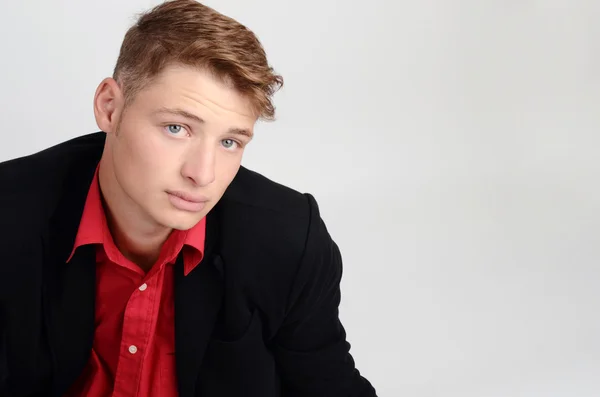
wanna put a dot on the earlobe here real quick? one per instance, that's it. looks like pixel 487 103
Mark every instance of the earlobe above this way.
pixel 107 105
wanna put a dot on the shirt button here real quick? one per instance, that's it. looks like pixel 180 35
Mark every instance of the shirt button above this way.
pixel 143 287
pixel 132 349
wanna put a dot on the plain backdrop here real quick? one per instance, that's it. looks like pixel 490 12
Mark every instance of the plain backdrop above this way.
pixel 451 144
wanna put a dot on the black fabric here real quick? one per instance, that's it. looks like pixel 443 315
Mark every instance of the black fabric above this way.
pixel 258 316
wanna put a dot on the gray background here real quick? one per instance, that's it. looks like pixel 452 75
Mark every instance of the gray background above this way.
pixel 451 145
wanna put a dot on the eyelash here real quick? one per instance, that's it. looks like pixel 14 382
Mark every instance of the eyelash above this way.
pixel 238 143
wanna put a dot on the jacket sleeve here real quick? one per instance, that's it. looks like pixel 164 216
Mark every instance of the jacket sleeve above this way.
pixel 310 347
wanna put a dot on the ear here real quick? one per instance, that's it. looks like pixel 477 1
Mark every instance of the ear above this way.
pixel 108 105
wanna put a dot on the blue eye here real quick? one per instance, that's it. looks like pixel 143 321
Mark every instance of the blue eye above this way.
pixel 174 128
pixel 228 143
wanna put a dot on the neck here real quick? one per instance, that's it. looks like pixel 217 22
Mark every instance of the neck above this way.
pixel 137 237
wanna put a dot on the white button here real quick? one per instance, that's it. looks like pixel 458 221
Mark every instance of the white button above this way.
pixel 132 349
pixel 143 287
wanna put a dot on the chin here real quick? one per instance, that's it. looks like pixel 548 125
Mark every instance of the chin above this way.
pixel 182 227
pixel 181 224
pixel 179 220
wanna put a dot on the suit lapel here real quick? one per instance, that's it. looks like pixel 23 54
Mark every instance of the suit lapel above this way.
pixel 69 288
pixel 70 315
pixel 198 298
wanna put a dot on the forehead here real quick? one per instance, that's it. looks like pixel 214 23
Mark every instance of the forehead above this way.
pixel 196 90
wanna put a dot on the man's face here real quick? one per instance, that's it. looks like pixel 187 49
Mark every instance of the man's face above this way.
pixel 178 146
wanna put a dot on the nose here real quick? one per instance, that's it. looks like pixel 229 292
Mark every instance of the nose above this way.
pixel 199 167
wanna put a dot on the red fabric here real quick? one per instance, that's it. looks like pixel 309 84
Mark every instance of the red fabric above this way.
pixel 133 308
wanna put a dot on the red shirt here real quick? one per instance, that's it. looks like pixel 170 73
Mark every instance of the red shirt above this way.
pixel 134 341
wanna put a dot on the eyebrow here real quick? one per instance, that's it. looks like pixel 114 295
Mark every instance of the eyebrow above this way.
pixel 183 113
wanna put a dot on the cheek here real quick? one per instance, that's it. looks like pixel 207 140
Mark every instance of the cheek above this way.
pixel 139 163
pixel 227 171
pixel 144 153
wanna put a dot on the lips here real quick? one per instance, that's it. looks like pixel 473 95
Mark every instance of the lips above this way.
pixel 189 197
pixel 187 202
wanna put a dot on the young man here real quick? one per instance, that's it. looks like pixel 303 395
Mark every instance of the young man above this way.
pixel 143 260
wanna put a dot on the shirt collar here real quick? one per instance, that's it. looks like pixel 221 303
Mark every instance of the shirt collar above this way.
pixel 93 229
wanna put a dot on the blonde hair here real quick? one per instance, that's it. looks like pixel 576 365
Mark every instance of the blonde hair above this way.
pixel 189 33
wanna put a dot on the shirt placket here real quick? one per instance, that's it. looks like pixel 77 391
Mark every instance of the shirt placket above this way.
pixel 137 328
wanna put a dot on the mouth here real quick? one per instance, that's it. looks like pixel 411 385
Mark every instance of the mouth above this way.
pixel 188 197
pixel 187 202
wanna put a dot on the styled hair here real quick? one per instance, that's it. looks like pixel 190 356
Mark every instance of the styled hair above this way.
pixel 186 32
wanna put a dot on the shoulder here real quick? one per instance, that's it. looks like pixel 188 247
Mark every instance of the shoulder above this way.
pixel 32 184
pixel 268 219
pixel 30 189
pixel 253 190
pixel 278 244
pixel 273 239
pixel 266 212
pixel 48 166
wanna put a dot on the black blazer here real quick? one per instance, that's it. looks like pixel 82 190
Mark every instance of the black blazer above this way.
pixel 258 317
